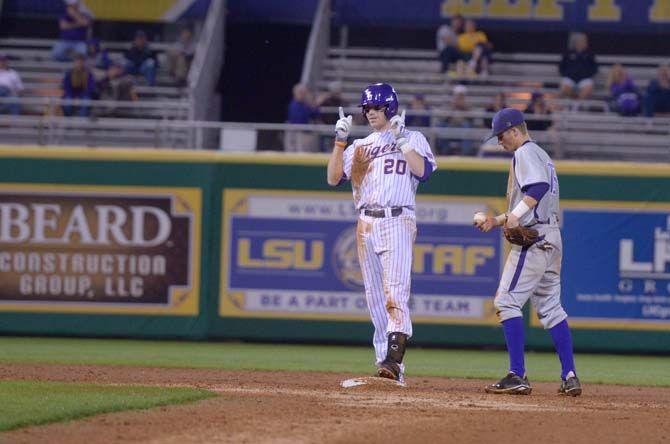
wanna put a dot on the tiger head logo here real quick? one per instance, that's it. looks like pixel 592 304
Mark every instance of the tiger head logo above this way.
pixel 345 260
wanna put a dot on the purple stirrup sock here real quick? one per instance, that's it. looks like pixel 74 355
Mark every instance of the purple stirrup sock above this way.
pixel 560 333
pixel 514 337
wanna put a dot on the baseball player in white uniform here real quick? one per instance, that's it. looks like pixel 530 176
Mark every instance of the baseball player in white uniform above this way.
pixel 393 161
pixel 533 267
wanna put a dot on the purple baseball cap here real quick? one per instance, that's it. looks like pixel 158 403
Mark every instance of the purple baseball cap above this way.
pixel 505 119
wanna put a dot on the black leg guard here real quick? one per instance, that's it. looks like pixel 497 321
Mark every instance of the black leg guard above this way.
pixel 396 347
pixel 390 367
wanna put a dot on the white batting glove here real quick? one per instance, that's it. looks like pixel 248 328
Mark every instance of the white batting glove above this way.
pixel 398 125
pixel 343 126
pixel 398 131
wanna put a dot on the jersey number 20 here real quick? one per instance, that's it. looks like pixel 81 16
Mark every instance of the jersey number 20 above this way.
pixel 395 166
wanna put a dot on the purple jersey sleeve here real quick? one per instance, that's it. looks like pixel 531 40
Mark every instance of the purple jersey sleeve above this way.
pixel 536 190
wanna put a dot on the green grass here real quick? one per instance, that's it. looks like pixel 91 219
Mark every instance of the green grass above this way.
pixel 606 369
pixel 24 403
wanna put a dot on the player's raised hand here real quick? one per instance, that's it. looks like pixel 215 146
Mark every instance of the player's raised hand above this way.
pixel 398 125
pixel 343 126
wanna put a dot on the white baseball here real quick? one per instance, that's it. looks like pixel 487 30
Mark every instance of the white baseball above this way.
pixel 480 217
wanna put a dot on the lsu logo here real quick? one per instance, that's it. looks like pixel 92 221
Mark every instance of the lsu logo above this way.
pixel 345 260
pixel 279 253
pixel 368 94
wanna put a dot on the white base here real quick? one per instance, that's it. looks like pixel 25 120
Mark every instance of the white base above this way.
pixel 372 381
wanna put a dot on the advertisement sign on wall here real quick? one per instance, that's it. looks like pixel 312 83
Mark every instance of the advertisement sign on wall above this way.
pixel 99 249
pixel 533 15
pixel 616 265
pixel 289 254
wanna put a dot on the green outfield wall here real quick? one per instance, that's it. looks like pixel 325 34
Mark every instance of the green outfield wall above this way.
pixel 204 245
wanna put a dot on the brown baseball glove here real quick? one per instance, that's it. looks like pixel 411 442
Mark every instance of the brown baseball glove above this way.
pixel 521 236
pixel 359 167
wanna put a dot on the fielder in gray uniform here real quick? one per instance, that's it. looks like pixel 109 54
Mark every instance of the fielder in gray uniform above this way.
pixel 533 267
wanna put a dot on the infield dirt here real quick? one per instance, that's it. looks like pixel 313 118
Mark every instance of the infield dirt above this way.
pixel 292 407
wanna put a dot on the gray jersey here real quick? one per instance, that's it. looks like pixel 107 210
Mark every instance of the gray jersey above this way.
pixel 532 165
pixel 533 272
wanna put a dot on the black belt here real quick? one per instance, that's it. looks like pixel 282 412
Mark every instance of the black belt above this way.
pixel 395 211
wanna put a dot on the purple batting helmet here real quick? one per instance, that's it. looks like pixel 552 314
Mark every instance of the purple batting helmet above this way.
pixel 381 94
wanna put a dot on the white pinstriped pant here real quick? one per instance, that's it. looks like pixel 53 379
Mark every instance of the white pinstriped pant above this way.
pixel 385 248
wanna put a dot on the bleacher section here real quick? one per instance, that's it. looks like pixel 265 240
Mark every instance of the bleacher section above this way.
pixel 42 77
pixel 583 129
pixel 145 121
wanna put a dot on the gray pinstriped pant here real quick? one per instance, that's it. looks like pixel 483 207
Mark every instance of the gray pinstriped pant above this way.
pixel 535 274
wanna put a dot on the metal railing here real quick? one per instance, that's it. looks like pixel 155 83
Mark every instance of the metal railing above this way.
pixel 165 109
pixel 566 113
pixel 452 139
pixel 566 138
pixel 93 131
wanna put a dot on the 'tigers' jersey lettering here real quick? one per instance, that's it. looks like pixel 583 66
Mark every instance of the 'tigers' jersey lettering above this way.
pixel 379 150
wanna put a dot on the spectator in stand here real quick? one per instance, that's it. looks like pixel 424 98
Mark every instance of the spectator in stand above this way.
pixel 577 68
pixel 459 101
pixel 490 147
pixel 624 97
pixel 78 83
pixel 301 110
pixel 447 44
pixel 657 100
pixel 459 145
pixel 10 86
pixel 140 59
pixel 499 102
pixel 75 25
pixel 115 84
pixel 181 55
pixel 97 58
pixel 331 99
pixel 414 120
pixel 476 48
pixel 537 107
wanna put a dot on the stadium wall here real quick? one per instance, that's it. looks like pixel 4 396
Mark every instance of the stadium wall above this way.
pixel 203 245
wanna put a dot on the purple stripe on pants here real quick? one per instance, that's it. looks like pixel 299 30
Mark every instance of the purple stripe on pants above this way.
pixel 519 266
